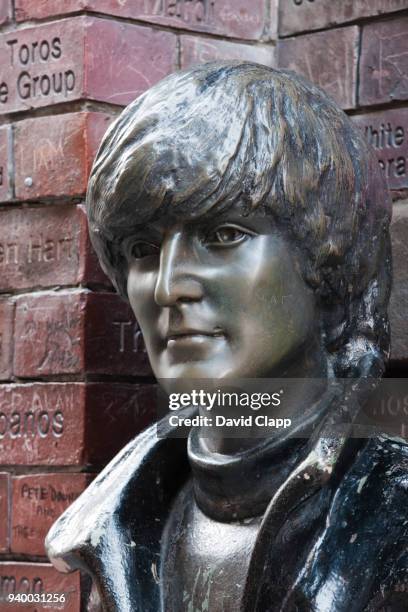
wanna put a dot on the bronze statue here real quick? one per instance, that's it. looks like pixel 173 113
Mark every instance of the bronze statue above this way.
pixel 246 221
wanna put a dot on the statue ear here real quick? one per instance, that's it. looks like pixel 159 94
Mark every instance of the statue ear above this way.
pixel 111 260
pixel 365 339
pixel 355 325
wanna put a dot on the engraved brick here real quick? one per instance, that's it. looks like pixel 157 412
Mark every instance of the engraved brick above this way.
pixel 49 334
pixel 76 332
pixel 5 146
pixel 45 246
pixel 7 307
pixel 384 62
pixel 5 11
pixel 328 59
pixel 4 511
pixel 387 132
pixel 54 155
pixel 70 424
pixel 399 296
pixel 36 578
pixel 239 18
pixel 196 50
pixel 38 500
pixel 113 341
pixel 304 15
pixel 81 57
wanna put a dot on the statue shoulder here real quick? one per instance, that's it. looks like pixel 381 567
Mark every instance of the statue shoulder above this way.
pixel 138 472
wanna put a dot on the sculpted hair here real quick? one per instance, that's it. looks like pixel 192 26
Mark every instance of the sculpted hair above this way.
pixel 204 138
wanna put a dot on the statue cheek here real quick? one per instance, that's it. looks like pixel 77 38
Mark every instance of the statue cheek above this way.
pixel 140 288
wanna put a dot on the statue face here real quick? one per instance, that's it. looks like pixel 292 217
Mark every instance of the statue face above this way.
pixel 219 296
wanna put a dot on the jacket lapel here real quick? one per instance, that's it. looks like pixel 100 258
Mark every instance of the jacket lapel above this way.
pixel 113 530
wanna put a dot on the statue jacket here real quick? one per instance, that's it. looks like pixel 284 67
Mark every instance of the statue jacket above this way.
pixel 337 547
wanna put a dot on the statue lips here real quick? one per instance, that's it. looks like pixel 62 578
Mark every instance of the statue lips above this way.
pixel 187 336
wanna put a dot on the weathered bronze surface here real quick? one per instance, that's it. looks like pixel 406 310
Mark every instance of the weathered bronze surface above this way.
pixel 246 221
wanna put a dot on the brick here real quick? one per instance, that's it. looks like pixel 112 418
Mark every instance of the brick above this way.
pixel 238 18
pixel 328 59
pixel 4 511
pixel 5 165
pixel 71 424
pixel 304 15
pixel 36 578
pixel 77 332
pixel 133 58
pixel 384 62
pixel 37 501
pixel 196 50
pixel 273 19
pixel 6 11
pixel 387 132
pixel 54 155
pixel 112 338
pixel 81 57
pixel 399 296
pixel 45 247
pixel 6 338
pixel 49 335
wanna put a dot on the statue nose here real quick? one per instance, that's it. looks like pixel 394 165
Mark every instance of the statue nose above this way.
pixel 178 276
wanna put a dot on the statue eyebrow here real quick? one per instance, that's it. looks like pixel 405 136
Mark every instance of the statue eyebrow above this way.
pixel 211 216
pixel 153 229
pixel 144 231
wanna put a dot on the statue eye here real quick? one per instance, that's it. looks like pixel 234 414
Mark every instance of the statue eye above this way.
pixel 227 235
pixel 141 249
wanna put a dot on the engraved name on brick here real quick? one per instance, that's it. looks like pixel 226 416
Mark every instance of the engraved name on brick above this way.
pixel 189 11
pixel 32 80
pixel 38 250
pixel 37 501
pixel 387 133
pixel 70 424
pixel 39 67
pixel 129 336
pixel 43 246
pixel 56 62
pixel 35 416
pixel 237 18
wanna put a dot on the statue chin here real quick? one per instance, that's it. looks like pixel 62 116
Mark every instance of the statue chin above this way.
pixel 246 223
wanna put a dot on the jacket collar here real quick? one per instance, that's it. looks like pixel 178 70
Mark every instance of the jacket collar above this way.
pixel 113 530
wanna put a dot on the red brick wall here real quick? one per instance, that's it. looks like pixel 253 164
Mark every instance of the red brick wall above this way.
pixel 75 380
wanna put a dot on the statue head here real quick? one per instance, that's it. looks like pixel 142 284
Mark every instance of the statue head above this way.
pixel 244 218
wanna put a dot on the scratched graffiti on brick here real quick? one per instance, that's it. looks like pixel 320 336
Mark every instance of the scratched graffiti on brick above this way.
pixel 61 339
pixel 384 62
pixel 328 59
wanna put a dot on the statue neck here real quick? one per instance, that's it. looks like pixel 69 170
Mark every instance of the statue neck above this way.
pixel 240 484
